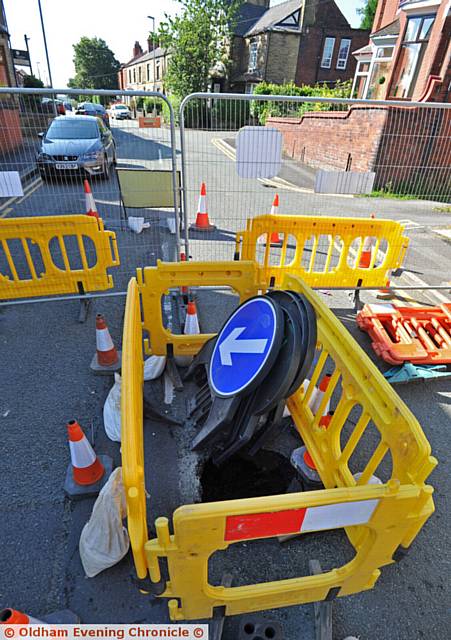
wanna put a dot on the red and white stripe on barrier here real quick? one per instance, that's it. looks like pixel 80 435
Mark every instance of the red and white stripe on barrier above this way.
pixel 278 523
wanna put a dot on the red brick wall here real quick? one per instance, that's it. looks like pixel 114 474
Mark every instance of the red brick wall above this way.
pixel 408 148
pixel 345 139
pixel 309 69
pixel 10 131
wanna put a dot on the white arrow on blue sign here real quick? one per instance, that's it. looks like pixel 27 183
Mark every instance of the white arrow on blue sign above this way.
pixel 243 347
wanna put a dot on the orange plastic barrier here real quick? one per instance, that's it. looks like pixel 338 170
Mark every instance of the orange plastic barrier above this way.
pixel 149 122
pixel 413 334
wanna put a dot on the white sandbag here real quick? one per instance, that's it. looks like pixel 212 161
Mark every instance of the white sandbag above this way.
pixel 154 367
pixel 112 411
pixel 137 224
pixel 104 540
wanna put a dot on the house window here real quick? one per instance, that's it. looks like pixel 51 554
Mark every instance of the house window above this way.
pixel 129 76
pixel 134 75
pixel 253 56
pixel 140 74
pixel 380 72
pixel 361 79
pixel 343 53
pixel 158 70
pixel 416 38
pixel 328 52
pixel 148 73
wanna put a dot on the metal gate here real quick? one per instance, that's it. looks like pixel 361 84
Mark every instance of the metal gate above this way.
pixel 339 157
pixel 47 151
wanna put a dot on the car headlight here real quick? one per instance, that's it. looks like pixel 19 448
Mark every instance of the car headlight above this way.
pixel 44 156
pixel 92 155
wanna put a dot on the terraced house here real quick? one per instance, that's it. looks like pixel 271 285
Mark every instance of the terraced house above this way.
pixel 300 41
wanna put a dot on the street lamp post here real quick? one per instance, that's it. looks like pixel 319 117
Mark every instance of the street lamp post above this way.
pixel 45 43
pixel 26 38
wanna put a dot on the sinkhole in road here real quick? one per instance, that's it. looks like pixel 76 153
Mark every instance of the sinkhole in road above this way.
pixel 267 473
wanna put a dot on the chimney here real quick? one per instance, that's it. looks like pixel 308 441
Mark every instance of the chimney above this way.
pixel 152 43
pixel 137 51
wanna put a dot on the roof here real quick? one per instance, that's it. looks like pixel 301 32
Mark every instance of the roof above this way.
pixel 159 52
pixel 366 49
pixel 271 18
pixel 391 29
pixel 247 17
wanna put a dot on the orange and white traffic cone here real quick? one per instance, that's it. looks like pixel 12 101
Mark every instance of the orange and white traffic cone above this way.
pixel 367 251
pixel 318 393
pixel 202 220
pixel 86 469
pixel 190 328
pixel 91 208
pixel 12 616
pixel 303 461
pixel 275 238
pixel 106 359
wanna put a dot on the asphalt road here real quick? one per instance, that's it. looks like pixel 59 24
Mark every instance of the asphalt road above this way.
pixel 46 381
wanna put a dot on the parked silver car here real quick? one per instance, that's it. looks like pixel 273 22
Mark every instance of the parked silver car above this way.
pixel 77 145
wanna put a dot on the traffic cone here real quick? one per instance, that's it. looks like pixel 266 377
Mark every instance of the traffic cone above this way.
pixel 12 616
pixel 303 461
pixel 275 238
pixel 318 393
pixel 191 328
pixel 367 251
pixel 191 321
pixel 385 293
pixel 91 208
pixel 202 220
pixel 86 472
pixel 106 359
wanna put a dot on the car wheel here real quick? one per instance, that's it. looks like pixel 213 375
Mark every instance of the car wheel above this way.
pixel 106 169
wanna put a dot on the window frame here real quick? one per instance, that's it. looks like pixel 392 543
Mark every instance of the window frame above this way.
pixel 323 59
pixel 253 55
pixel 345 60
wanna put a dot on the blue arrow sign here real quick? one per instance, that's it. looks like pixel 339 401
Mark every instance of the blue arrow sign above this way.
pixel 243 347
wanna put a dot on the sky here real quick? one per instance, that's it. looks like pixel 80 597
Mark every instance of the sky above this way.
pixel 118 23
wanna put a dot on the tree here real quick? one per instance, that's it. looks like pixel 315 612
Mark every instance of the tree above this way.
pixel 95 65
pixel 31 82
pixel 197 40
pixel 368 12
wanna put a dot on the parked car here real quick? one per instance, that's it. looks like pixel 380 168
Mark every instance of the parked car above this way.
pixel 48 106
pixel 120 112
pixel 93 109
pixel 79 145
pixel 68 106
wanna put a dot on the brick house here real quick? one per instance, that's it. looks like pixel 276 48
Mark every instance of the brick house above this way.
pixel 145 71
pixel 10 131
pixel 408 54
pixel 300 41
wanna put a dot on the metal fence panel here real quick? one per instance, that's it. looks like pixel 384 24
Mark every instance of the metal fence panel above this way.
pixel 52 169
pixel 403 147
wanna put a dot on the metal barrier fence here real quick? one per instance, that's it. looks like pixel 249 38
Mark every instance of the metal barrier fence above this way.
pixel 371 433
pixel 331 149
pixel 131 168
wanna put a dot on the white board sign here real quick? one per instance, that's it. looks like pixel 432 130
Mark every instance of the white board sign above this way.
pixel 10 184
pixel 349 182
pixel 258 152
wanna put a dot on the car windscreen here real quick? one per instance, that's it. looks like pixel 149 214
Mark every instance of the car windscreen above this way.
pixel 72 130
pixel 120 106
pixel 99 108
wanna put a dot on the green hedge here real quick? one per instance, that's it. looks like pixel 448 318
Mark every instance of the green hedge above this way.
pixel 262 110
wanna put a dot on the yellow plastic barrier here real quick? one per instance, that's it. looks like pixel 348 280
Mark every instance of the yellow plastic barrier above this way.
pixel 35 260
pixel 380 520
pixel 154 282
pixel 324 251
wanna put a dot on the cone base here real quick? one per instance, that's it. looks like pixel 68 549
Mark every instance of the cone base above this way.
pixel 77 492
pixel 102 370
pixel 209 227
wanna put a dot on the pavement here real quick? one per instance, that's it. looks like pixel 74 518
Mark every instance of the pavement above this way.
pixel 46 382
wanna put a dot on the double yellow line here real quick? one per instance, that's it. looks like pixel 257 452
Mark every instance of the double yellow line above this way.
pixel 5 208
